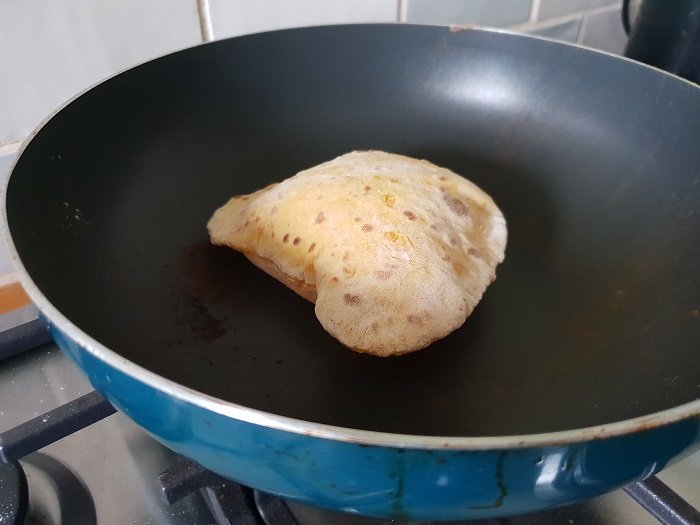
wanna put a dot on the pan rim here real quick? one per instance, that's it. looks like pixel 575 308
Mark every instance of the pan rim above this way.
pixel 310 428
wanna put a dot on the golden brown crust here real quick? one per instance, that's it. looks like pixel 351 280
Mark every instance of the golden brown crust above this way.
pixel 395 252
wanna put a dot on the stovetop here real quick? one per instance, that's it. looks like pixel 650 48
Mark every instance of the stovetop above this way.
pixel 108 473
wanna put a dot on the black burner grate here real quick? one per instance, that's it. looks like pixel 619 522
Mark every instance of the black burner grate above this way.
pixel 228 501
pixel 13 494
pixel 52 426
pixel 663 503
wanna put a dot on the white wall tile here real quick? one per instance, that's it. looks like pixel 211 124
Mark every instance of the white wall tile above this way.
pixel 53 49
pixel 498 13
pixel 567 31
pixel 238 17
pixel 604 31
pixel 554 8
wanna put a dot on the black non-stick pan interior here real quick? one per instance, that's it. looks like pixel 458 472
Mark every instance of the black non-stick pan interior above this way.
pixel 594 161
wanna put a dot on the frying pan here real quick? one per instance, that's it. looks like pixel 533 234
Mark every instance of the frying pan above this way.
pixel 577 373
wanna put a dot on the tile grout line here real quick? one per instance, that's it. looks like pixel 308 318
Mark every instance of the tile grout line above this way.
pixel 401 10
pixel 562 19
pixel 534 10
pixel 205 26
pixel 582 30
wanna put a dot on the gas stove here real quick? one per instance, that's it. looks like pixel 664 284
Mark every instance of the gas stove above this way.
pixel 109 471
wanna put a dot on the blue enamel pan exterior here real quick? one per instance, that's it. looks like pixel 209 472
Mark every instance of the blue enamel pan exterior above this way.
pixel 577 373
pixel 375 475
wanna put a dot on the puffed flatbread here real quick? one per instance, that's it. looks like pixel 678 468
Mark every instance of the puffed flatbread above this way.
pixel 395 252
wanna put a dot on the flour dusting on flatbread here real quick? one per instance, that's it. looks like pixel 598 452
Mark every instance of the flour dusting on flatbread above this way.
pixel 395 252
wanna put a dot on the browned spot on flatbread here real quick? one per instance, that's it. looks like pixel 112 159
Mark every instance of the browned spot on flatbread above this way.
pixel 375 327
pixel 417 319
pixel 473 252
pixel 358 219
pixel 367 227
pixel 459 269
pixel 351 299
pixel 320 218
pixel 311 248
pixel 410 215
pixel 367 189
pixel 285 238
pixel 455 205
pixel 296 241
pixel 383 274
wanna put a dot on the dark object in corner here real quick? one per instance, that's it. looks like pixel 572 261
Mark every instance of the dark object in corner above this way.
pixel 666 35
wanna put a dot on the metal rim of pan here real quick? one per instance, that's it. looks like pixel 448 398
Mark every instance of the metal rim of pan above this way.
pixel 336 433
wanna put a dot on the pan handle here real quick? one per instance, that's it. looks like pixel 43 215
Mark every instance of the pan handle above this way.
pixel 625 12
